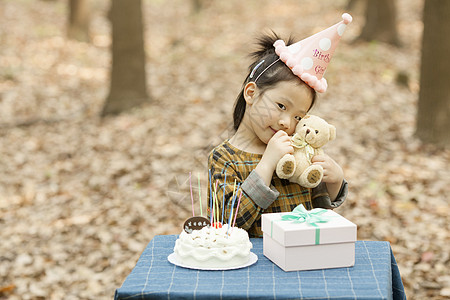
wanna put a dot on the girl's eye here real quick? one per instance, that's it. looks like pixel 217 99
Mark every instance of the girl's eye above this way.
pixel 281 106
pixel 298 118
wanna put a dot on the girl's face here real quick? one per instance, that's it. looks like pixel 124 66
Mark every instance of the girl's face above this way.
pixel 279 108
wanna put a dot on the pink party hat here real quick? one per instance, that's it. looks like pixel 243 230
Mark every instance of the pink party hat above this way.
pixel 309 58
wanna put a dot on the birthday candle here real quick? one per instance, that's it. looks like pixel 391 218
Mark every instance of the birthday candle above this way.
pixel 215 218
pixel 217 204
pixel 217 210
pixel 200 194
pixel 237 208
pixel 210 194
pixel 223 199
pixel 232 197
pixel 232 206
pixel 192 197
pixel 214 207
pixel 213 211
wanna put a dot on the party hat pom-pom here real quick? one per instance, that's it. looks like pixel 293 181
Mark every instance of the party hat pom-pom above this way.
pixel 322 85
pixel 347 18
pixel 279 47
pixel 279 43
pixel 306 77
pixel 311 82
pixel 291 62
pixel 297 70
pixel 285 55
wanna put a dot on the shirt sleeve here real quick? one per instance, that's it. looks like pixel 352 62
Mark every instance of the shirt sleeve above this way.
pixel 256 196
pixel 255 188
pixel 321 199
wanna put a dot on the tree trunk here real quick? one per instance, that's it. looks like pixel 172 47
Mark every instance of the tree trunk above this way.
pixel 433 117
pixel 128 79
pixel 79 18
pixel 380 22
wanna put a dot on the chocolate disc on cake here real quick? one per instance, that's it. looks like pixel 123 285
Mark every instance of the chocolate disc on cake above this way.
pixel 195 223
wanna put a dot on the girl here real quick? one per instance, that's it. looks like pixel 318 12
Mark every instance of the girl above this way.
pixel 272 101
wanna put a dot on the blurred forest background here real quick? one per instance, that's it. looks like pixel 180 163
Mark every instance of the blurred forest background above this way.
pixel 84 189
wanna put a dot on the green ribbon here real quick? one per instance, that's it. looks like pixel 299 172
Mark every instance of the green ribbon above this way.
pixel 301 215
pixel 298 142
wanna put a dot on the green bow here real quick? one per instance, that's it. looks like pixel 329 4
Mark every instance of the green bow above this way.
pixel 298 142
pixel 301 215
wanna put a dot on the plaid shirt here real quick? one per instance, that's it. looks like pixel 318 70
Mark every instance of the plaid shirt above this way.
pixel 226 161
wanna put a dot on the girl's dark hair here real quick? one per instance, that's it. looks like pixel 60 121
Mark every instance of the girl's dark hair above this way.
pixel 276 73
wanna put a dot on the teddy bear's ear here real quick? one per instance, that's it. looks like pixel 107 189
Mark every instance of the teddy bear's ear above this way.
pixel 332 132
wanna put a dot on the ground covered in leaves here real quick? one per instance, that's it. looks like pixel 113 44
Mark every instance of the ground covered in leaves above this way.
pixel 80 196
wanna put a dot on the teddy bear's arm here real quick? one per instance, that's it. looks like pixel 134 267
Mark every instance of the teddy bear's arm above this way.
pixel 286 167
pixel 318 151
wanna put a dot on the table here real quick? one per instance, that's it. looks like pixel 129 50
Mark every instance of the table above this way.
pixel 374 276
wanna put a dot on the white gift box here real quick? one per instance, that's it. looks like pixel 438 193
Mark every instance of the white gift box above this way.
pixel 302 246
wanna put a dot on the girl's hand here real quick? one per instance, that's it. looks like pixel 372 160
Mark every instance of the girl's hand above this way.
pixel 333 175
pixel 332 172
pixel 277 147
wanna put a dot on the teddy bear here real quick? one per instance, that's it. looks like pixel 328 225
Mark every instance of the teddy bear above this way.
pixel 311 133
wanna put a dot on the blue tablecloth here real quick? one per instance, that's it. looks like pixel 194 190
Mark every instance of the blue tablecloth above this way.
pixel 374 276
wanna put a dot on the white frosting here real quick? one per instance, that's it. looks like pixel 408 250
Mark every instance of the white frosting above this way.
pixel 213 248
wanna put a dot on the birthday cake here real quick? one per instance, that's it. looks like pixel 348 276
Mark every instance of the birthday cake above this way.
pixel 212 247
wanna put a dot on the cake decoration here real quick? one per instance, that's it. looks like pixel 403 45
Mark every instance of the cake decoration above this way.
pixel 195 223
